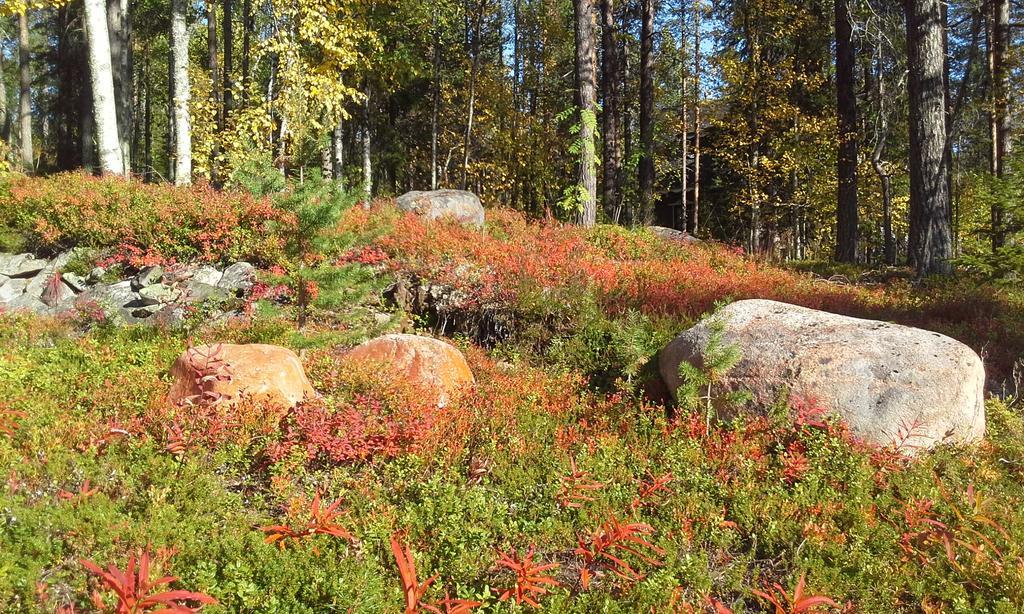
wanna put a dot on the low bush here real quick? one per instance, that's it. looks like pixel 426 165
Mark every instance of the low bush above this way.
pixel 140 223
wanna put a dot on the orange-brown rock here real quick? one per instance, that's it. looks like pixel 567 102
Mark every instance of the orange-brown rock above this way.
pixel 224 372
pixel 436 367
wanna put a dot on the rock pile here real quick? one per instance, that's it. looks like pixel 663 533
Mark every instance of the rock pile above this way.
pixel 154 294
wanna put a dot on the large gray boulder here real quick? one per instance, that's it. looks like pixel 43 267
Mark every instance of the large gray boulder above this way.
pixel 459 205
pixel 674 236
pixel 890 383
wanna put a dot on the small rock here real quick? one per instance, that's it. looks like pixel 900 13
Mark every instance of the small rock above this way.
pixel 169 316
pixel 26 302
pixel 208 275
pixel 21 265
pixel 75 282
pixel 147 277
pixel 199 292
pixel 146 310
pixel 238 277
pixel 56 293
pixel 96 275
pixel 12 289
pixel 111 297
pixel 157 294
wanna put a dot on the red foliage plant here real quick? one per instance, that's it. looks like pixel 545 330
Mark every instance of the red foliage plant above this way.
pixel 133 589
pixel 414 591
pixel 530 582
pixel 797 604
pixel 575 487
pixel 650 489
pixel 208 369
pixel 608 545
pixel 84 492
pixel 9 420
pixel 322 521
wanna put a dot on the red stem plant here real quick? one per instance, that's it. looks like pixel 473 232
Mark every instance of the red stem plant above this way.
pixel 322 521
pixel 530 580
pixel 610 543
pixel 133 589
pixel 776 595
pixel 575 487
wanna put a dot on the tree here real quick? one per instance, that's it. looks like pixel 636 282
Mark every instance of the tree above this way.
pixel 646 170
pixel 587 91
pixel 611 152
pixel 101 78
pixel 999 118
pixel 25 94
pixel 182 93
pixel 846 106
pixel 931 246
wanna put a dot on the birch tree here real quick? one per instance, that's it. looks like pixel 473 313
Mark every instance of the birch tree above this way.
pixel 102 80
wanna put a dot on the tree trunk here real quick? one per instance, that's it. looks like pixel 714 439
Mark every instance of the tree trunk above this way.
pixel 611 154
pixel 102 81
pixel 846 107
pixel 367 160
pixel 999 120
pixel 182 94
pixel 473 71
pixel 118 30
pixel 212 61
pixel 246 46
pixel 931 245
pixel 147 136
pixel 881 135
pixel 586 81
pixel 647 112
pixel 694 216
pixel 684 118
pixel 5 116
pixel 25 94
pixel 338 150
pixel 227 32
pixel 435 86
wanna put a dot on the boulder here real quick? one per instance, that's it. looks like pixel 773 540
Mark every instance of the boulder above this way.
pixel 673 235
pixel 21 265
pixel 885 380
pixel 436 367
pixel 267 372
pixel 109 297
pixel 460 205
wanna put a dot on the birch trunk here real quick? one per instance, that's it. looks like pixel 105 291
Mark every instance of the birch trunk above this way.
pixel 101 79
pixel 25 95
pixel 182 93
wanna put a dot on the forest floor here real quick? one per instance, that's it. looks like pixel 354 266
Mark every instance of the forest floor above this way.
pixel 562 478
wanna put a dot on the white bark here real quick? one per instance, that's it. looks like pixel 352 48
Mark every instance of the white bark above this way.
pixel 182 94
pixel 102 80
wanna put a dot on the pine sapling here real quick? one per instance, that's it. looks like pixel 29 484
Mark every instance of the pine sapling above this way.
pixel 699 384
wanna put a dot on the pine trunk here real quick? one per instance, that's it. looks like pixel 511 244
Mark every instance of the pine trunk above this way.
pixel 647 112
pixel 846 106
pixel 694 215
pixel 586 81
pixel 930 244
pixel 227 32
pixel 999 121
pixel 611 153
